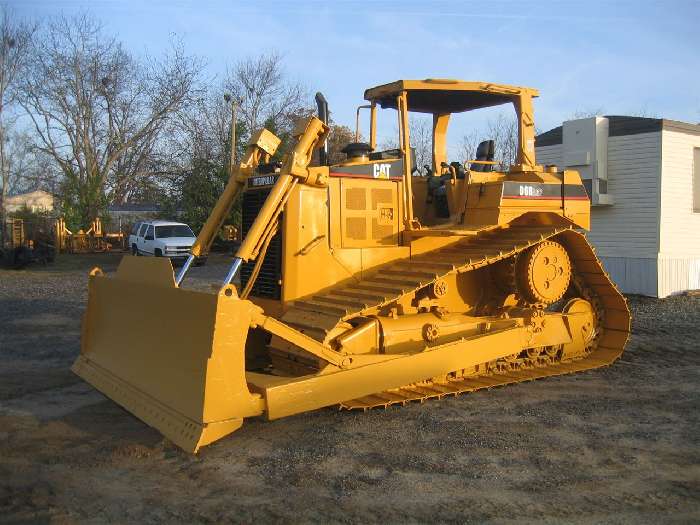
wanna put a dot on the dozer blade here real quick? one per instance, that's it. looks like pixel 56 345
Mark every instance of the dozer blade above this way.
pixel 174 358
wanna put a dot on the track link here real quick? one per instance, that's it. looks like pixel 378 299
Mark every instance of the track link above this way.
pixel 319 314
pixel 323 312
pixel 439 389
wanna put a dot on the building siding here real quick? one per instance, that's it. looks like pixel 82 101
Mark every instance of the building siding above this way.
pixel 649 239
pixel 680 226
pixel 630 227
pixel 678 274
pixel 549 155
pixel 626 234
pixel 679 257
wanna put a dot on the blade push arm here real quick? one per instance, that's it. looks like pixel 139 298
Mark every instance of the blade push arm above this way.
pixel 261 147
pixel 310 134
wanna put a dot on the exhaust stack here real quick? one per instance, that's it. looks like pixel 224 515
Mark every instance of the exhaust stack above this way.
pixel 322 105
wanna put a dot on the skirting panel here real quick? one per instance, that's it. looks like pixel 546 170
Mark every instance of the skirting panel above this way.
pixel 633 275
pixel 678 274
pixel 660 277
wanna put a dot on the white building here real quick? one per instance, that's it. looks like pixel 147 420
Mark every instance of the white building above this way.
pixel 35 201
pixel 643 176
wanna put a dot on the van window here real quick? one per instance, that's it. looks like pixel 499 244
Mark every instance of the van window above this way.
pixel 149 232
pixel 143 229
pixel 135 229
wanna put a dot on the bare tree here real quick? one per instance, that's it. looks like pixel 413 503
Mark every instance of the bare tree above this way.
pixel 268 96
pixel 421 137
pixel 643 112
pixel 194 157
pixel 420 130
pixel 15 40
pixel 469 143
pixel 26 168
pixel 201 130
pixel 503 130
pixel 586 113
pixel 339 137
pixel 195 148
pixel 98 111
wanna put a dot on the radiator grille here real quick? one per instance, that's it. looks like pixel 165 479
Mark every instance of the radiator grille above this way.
pixel 267 284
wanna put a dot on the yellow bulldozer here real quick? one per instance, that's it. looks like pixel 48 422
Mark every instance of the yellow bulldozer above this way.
pixel 362 284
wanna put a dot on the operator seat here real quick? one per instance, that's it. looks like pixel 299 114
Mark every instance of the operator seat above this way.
pixel 484 152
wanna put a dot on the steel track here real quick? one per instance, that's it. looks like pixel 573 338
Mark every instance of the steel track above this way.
pixel 318 315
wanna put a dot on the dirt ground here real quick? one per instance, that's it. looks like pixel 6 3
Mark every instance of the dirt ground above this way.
pixel 616 445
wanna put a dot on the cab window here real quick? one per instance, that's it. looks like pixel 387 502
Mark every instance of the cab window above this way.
pixel 143 229
pixel 149 233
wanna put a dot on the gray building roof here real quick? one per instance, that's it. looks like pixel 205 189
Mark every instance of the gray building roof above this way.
pixel 621 125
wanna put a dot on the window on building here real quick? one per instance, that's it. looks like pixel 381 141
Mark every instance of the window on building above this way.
pixel 696 180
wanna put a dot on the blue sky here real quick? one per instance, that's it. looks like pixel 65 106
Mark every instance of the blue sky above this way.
pixel 622 57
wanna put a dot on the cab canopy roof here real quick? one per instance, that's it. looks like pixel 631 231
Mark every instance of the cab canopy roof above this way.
pixel 441 95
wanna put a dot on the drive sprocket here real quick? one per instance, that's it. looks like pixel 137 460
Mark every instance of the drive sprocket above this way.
pixel 543 273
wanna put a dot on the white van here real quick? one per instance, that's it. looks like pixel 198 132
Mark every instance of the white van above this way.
pixel 161 239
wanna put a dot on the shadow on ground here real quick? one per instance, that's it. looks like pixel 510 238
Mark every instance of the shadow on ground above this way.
pixel 619 444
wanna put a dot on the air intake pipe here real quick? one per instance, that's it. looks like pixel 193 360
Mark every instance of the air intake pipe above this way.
pixel 322 106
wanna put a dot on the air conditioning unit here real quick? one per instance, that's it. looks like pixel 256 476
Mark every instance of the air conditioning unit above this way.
pixel 585 149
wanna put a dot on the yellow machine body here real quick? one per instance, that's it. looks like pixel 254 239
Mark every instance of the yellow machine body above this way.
pixel 355 291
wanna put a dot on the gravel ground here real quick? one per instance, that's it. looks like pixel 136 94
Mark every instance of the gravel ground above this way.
pixel 620 444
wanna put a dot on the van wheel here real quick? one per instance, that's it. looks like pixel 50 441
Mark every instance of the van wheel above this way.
pixel 134 250
pixel 158 253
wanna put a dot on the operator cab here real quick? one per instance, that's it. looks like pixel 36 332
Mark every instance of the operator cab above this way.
pixel 438 190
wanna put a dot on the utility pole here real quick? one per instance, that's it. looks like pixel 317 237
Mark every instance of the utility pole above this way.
pixel 234 106
pixel 8 42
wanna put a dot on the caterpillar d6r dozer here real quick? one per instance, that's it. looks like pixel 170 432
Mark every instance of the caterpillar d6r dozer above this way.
pixel 362 284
